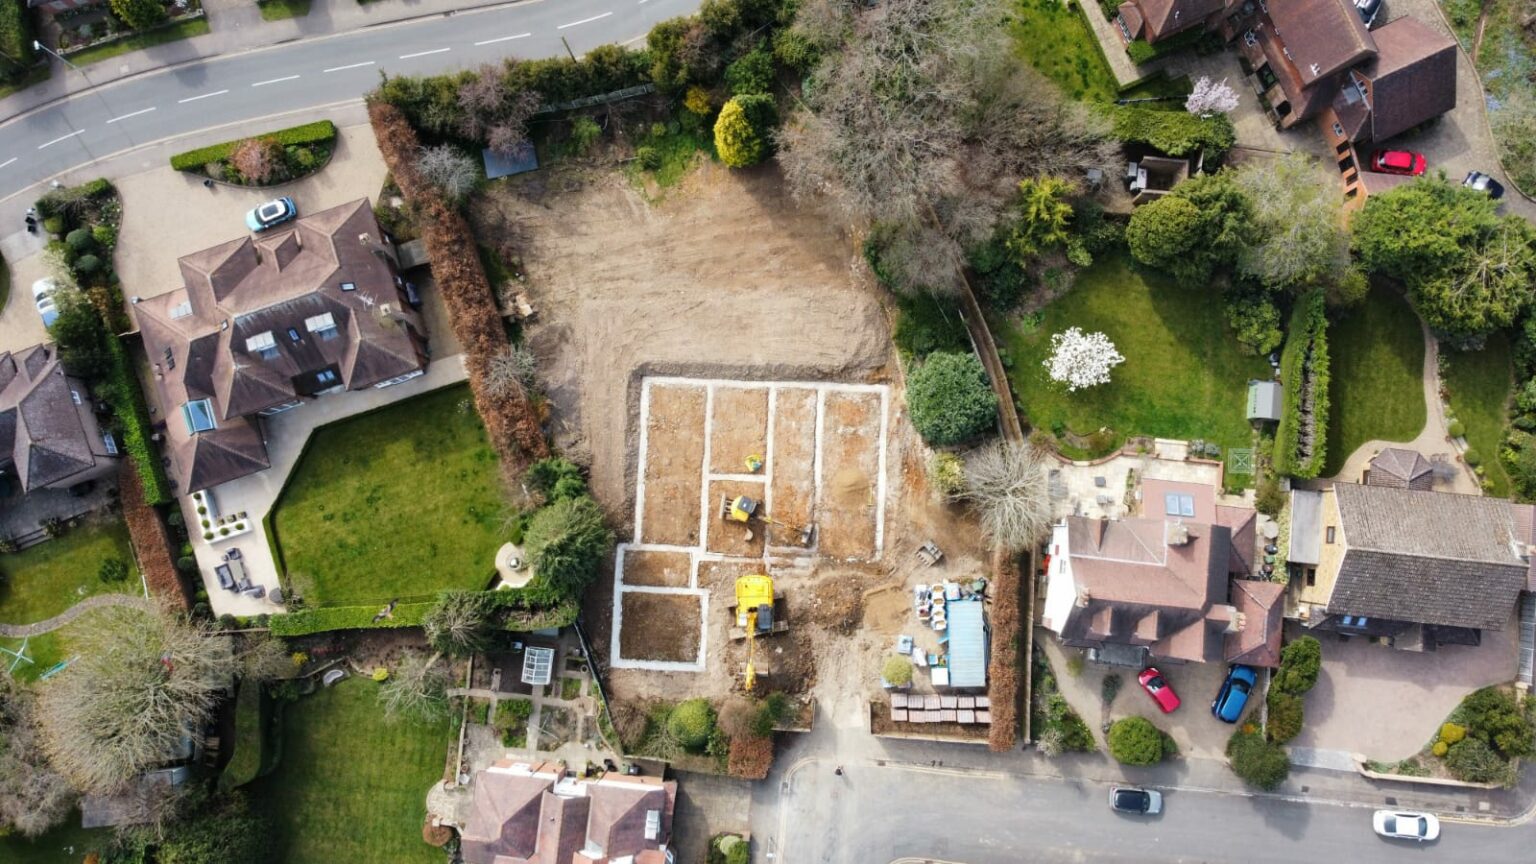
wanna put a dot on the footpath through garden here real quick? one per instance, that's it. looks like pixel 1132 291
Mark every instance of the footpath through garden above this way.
pixel 48 625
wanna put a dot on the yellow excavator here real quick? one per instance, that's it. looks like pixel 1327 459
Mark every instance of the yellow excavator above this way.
pixel 756 616
pixel 748 510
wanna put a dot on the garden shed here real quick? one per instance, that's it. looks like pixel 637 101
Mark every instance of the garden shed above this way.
pixel 1264 401
pixel 967 645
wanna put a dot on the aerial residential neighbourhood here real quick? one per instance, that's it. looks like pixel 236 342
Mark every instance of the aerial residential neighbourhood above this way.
pixel 725 431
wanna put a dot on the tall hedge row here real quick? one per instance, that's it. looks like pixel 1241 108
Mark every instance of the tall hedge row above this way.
pixel 525 612
pixel 1176 133
pixel 1304 379
pixel 1003 664
pixel 309 133
pixel 15 33
pixel 151 546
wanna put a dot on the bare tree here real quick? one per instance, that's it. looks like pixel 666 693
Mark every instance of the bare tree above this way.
pixel 512 369
pixel 417 687
pixel 450 169
pixel 144 684
pixel 460 624
pixel 1299 220
pixel 510 131
pixel 481 98
pixel 33 797
pixel 1005 482
pixel 265 658
pixel 925 121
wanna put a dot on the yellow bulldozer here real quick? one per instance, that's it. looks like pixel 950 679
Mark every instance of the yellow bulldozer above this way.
pixel 758 610
pixel 749 510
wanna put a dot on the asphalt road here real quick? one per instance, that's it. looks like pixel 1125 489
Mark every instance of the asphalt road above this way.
pixel 310 73
pixel 878 814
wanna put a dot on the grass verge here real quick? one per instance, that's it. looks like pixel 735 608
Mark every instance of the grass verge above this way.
pixel 1377 353
pixel 278 10
pixel 1479 383
pixel 173 33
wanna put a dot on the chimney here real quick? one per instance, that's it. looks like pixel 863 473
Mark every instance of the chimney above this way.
pixel 1098 532
pixel 1175 533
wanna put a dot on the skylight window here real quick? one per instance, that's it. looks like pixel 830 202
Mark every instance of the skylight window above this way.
pixel 349 286
pixel 1178 504
pixel 181 310
pixel 198 415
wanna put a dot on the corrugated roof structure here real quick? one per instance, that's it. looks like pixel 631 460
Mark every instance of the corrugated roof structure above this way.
pixel 967 645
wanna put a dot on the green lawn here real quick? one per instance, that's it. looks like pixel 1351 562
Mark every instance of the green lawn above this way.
pixel 54 575
pixel 1184 375
pixel 350 784
pixel 1376 377
pixel 173 33
pixel 277 10
pixel 1054 38
pixel 66 844
pixel 1479 383
pixel 403 501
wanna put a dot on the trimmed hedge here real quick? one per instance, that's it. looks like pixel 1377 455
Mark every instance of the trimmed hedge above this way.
pixel 321 131
pixel 1003 672
pixel 1304 372
pixel 151 547
pixel 307 621
pixel 122 390
pixel 16 34
pixel 1176 133
pixel 247 759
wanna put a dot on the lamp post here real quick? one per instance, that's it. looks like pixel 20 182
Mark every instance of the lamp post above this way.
pixel 44 48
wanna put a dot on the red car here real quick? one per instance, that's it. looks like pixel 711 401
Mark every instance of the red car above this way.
pixel 1157 687
pixel 1398 162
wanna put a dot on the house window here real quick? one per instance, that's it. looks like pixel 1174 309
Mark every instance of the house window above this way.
pixel 109 442
pixel 1311 577
pixel 1177 504
pixel 278 409
pixel 1338 130
pixel 263 345
pixel 323 326
pixel 349 286
pixel 181 310
pixel 293 335
pixel 198 415
pixel 389 382
pixel 325 376
pixel 1328 534
pixel 74 396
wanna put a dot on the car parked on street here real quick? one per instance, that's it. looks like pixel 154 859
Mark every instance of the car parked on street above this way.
pixel 1405 162
pixel 1406 825
pixel 42 295
pixel 1158 688
pixel 274 212
pixel 1484 184
pixel 1233 698
pixel 1129 799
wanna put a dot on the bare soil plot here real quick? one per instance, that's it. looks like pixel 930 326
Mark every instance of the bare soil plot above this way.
pixel 657 569
pixel 850 475
pixel 739 428
pixel 674 465
pixel 794 458
pixel 733 538
pixel 660 627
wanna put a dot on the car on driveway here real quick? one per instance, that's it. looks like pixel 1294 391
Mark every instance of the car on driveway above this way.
pixel 42 295
pixel 1404 162
pixel 1129 799
pixel 274 212
pixel 1484 184
pixel 1233 698
pixel 1157 687
pixel 1369 10
pixel 1406 825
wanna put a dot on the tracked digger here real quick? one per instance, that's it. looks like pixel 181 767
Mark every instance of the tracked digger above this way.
pixel 749 511
pixel 758 610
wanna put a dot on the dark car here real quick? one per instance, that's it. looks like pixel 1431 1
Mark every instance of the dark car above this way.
pixel 1158 688
pixel 1369 10
pixel 1233 698
pixel 412 296
pixel 274 212
pixel 1484 184
pixel 1128 799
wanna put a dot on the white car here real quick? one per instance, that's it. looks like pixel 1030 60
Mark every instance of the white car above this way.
pixel 1406 825
pixel 42 295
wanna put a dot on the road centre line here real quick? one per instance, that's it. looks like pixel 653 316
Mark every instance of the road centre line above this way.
pixel 344 68
pixel 504 39
pixel 134 114
pixel 424 53
pixel 61 138
pixel 9 161
pixel 204 96
pixel 585 21
pixel 274 81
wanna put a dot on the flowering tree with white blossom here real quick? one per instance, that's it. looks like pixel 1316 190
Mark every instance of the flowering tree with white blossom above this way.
pixel 1210 97
pixel 1081 360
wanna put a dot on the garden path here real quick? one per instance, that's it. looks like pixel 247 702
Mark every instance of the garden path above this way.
pixel 48 625
pixel 1433 439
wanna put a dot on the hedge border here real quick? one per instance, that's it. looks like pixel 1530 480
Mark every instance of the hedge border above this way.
pixel 307 133
pixel 1304 363
pixel 250 738
pixel 327 618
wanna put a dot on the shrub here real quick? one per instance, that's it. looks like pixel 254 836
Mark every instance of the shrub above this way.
pixel 545 475
pixel 1135 741
pixel 743 129
pixel 584 133
pixel 648 157
pixel 566 541
pixel 1440 748
pixel 112 570
pixel 80 240
pixel 1473 761
pixel 897 671
pixel 1495 717
pixel 54 224
pixel 946 474
pixel 1285 717
pixel 950 399
pixel 321 131
pixel 138 14
pixel 87 265
pixel 1003 663
pixel 691 723
pixel 1300 662
pixel 1304 370
pixel 750 73
pixel 1176 133
pixel 1472 457
pixel 1456 429
pixel 698 101
pixel 186 564
pixel 1258 761
pixel 1450 733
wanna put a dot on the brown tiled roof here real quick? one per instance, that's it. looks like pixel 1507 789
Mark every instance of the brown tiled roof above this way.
pixel 1322 36
pixel 1413 76
pixel 1130 13
pixel 45 438
pixel 1243 523
pixel 264 320
pixel 1165 17
pixel 1263 616
pixel 1400 468
pixel 1427 557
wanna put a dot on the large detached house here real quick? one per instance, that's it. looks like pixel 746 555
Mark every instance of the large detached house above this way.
pixel 49 437
pixel 266 321
pixel 534 814
pixel 1416 568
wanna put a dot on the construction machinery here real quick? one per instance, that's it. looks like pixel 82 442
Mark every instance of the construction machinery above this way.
pixel 758 610
pixel 749 510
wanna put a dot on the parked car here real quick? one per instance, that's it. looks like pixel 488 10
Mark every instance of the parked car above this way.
pixel 1485 184
pixel 1233 698
pixel 1404 162
pixel 1157 687
pixel 274 212
pixel 412 296
pixel 42 295
pixel 1369 10
pixel 1406 825
pixel 1128 799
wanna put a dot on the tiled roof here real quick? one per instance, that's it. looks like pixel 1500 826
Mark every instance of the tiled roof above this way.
pixel 1413 78
pixel 1321 36
pixel 1166 17
pixel 1263 616
pixel 44 435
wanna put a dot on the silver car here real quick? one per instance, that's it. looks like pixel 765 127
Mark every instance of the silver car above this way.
pixel 42 295
pixel 1130 799
pixel 1406 825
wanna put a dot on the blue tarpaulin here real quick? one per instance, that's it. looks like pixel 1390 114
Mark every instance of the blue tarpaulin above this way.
pixel 967 644
pixel 498 165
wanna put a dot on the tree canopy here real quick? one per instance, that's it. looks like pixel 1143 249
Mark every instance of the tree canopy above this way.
pixel 566 541
pixel 1198 227
pixel 1298 237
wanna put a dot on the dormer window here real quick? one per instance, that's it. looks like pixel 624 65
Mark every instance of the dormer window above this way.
pixel 181 310
pixel 198 415
pixel 263 345
pixel 323 325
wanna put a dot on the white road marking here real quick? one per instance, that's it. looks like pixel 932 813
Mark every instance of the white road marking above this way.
pixel 629 42
pixel 424 53
pixel 134 114
pixel 585 21
pixel 344 68
pixel 61 138
pixel 274 81
pixel 9 161
pixel 504 39
pixel 204 96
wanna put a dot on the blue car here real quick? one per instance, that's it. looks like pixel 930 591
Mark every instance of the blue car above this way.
pixel 1233 698
pixel 274 212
